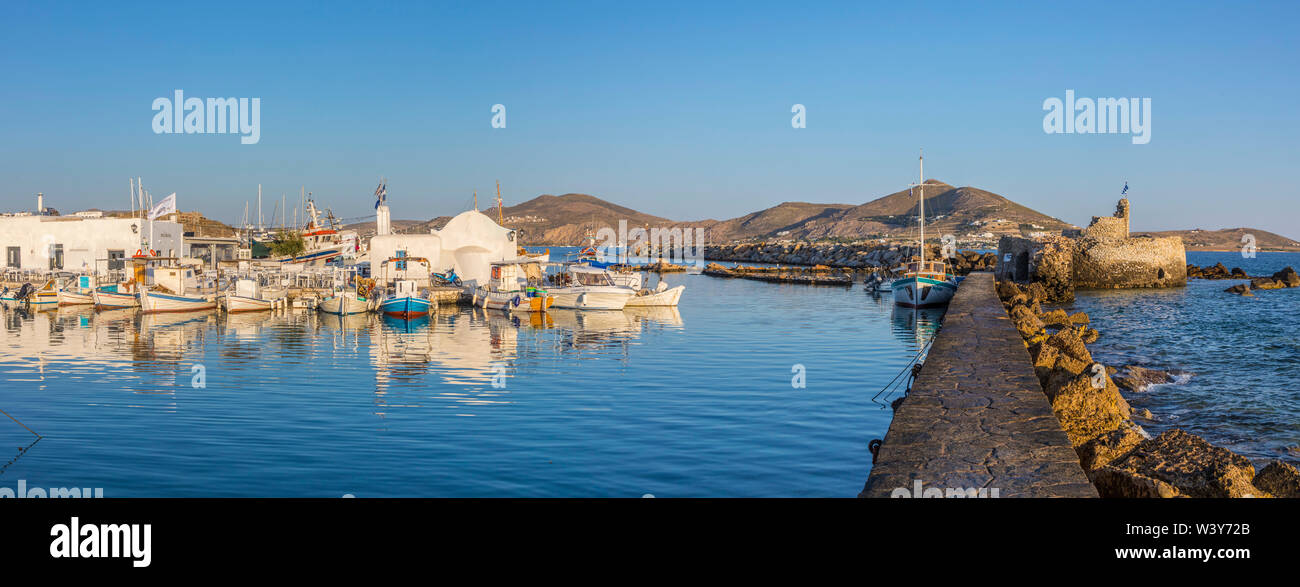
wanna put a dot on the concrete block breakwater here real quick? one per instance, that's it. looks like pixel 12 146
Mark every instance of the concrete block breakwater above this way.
pixel 976 416
pixel 857 256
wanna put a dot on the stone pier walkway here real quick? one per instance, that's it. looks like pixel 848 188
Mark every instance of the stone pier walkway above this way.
pixel 976 417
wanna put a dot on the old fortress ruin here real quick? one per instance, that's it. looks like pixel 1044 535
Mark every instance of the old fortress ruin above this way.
pixel 1101 256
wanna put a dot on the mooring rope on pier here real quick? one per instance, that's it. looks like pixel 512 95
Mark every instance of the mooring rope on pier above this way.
pixel 906 368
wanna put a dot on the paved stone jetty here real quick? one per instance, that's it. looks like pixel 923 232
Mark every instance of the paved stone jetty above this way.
pixel 977 417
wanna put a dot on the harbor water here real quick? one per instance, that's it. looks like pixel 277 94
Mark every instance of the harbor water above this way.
pixel 746 389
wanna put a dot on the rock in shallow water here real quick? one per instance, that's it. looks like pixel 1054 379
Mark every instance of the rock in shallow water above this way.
pixel 1240 289
pixel 1138 379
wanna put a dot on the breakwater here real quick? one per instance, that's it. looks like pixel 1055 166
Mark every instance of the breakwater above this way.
pixel 1120 458
pixel 857 256
pixel 976 417
pixel 816 275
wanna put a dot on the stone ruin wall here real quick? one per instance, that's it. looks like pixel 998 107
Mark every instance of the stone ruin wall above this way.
pixel 1130 263
pixel 1101 256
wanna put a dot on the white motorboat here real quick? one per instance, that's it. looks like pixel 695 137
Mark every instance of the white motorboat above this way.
pixel 582 287
pixel 662 295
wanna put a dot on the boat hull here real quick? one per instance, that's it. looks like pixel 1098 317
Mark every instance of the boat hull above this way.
pixel 922 292
pixel 236 304
pixel 343 305
pixel 75 298
pixel 109 300
pixel 156 303
pixel 513 301
pixel 405 307
pixel 668 297
pixel 595 298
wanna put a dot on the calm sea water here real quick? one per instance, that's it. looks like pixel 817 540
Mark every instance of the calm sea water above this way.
pixel 1240 355
pixel 696 401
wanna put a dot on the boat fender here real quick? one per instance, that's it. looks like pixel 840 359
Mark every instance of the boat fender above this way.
pixel 515 302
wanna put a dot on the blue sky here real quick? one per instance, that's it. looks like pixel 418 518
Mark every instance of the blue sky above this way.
pixel 680 110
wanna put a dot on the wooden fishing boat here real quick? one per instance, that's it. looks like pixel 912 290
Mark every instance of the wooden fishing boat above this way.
pixel 924 284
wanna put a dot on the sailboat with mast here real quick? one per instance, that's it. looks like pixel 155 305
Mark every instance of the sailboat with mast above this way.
pixel 924 284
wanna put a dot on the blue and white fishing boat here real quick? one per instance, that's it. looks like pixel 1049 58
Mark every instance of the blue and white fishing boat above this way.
pixel 404 298
pixel 405 301
pixel 924 284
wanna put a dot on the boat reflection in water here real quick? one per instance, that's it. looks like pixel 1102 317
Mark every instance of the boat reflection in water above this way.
pixel 916 326
pixel 460 359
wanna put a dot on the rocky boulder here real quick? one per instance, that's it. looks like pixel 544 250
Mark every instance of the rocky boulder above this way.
pixel 1280 479
pixel 1138 379
pixel 1240 289
pixel 1287 277
pixel 1183 461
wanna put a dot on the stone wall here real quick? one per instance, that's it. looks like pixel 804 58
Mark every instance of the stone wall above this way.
pixel 1130 263
pixel 1046 260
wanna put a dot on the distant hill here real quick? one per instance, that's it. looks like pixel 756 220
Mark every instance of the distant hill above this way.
pixel 963 211
pixel 559 220
pixel 974 215
pixel 1228 239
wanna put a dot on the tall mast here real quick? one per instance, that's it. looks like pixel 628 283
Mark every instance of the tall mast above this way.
pixel 500 212
pixel 476 200
pixel 259 208
pixel 922 192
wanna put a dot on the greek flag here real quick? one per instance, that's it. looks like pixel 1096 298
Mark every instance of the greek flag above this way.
pixel 1125 192
pixel 381 194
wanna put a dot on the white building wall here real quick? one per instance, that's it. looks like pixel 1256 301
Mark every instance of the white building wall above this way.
pixel 84 240
pixel 385 247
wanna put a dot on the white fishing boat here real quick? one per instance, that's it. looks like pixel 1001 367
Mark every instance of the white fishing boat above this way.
pixel 77 291
pixel 170 292
pixel 583 287
pixel 158 302
pixel 247 297
pixel 116 296
pixel 662 295
pixel 514 287
pixel 924 284
pixel 321 241
pixel 345 297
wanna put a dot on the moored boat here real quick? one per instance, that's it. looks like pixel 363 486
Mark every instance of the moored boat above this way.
pixel 345 299
pixel 583 287
pixel 515 286
pixel 77 291
pixel 247 297
pixel 924 284
pixel 405 301
pixel 662 295
pixel 111 297
pixel 158 302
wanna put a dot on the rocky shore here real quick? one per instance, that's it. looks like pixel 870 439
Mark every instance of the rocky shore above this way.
pixel 855 256
pixel 1119 457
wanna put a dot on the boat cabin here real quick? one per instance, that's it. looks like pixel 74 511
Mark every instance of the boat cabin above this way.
pixel 507 276
pixel 583 275
pixel 932 269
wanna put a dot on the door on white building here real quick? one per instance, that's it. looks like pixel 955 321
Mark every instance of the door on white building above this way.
pixel 56 256
pixel 13 257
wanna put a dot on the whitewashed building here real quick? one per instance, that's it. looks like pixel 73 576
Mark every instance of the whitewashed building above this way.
pixel 72 243
pixel 468 243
